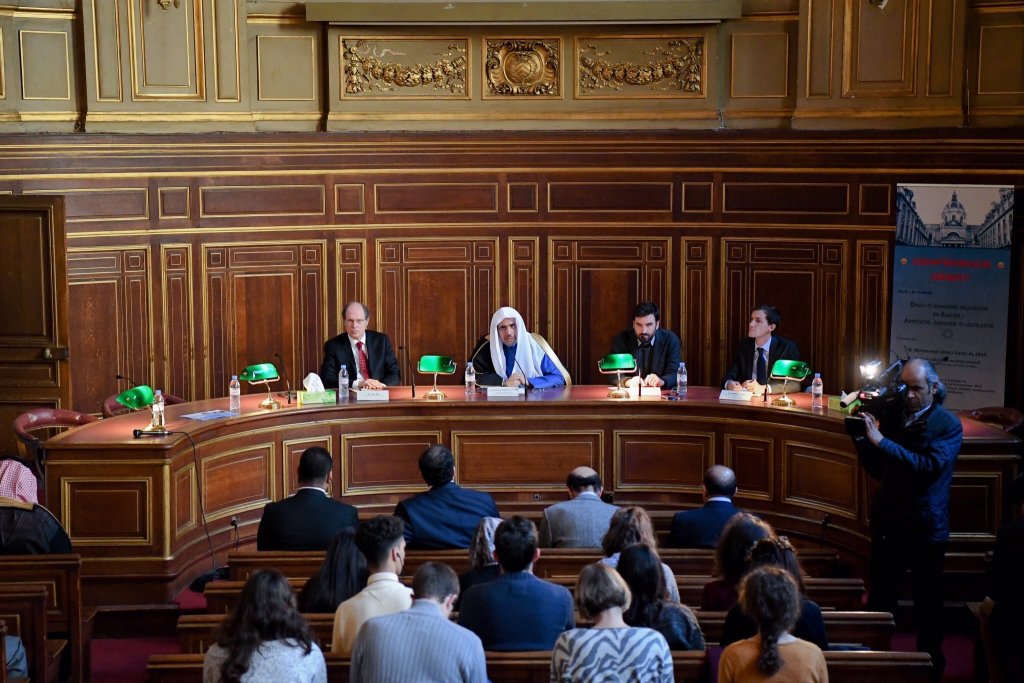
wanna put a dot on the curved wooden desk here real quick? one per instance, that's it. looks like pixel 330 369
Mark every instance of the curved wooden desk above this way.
pixel 133 507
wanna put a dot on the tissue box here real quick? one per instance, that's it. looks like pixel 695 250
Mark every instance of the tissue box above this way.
pixel 327 396
pixel 833 404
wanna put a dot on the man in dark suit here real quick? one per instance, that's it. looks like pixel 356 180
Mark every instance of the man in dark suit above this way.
pixel 752 364
pixel 309 519
pixel 656 350
pixel 367 354
pixel 912 456
pixel 701 528
pixel 517 612
pixel 445 516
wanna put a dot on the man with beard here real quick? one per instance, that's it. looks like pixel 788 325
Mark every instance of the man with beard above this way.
pixel 512 357
pixel 656 350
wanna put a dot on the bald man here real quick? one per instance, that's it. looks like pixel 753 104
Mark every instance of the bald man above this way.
pixel 581 521
pixel 701 528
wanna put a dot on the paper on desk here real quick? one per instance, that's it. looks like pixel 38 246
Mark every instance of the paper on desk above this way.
pixel 210 415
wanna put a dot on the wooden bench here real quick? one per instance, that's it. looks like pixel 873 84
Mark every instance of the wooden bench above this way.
pixel 196 632
pixel 553 561
pixel 534 667
pixel 870 629
pixel 23 608
pixel 66 618
pixel 222 596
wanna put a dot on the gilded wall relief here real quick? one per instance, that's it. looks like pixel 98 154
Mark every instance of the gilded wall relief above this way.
pixel 637 66
pixel 517 66
pixel 426 68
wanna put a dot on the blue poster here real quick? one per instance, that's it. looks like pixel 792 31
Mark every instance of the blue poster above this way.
pixel 951 281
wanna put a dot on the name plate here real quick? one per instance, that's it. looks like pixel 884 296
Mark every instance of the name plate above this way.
pixel 373 395
pixel 505 392
pixel 742 395
pixel 644 392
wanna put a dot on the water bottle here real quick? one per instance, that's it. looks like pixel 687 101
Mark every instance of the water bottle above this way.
pixel 234 395
pixel 343 384
pixel 470 379
pixel 158 410
pixel 816 392
pixel 681 381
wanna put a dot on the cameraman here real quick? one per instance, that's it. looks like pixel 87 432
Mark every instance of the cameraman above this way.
pixel 912 456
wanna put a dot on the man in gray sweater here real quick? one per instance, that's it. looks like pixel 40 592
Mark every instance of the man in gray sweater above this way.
pixel 420 644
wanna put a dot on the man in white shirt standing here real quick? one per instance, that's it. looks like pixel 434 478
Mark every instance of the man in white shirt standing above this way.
pixel 382 542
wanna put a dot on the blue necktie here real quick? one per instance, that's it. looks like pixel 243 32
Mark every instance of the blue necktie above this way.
pixel 762 367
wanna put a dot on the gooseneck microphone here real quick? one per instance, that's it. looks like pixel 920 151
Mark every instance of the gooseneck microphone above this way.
pixel 527 386
pixel 412 373
pixel 284 373
pixel 119 376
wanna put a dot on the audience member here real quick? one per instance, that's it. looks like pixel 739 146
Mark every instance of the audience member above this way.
pixel 517 611
pixel 309 519
pixel 27 529
pixel 633 525
pixel 777 552
pixel 771 597
pixel 265 640
pixel 482 565
pixel 1002 613
pixel 701 528
pixel 446 515
pixel 611 650
pixel 342 575
pixel 420 644
pixel 581 521
pixel 17 481
pixel 640 567
pixel 738 537
pixel 381 541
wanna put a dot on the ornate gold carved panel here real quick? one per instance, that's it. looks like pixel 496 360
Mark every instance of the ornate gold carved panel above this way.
pixel 640 66
pixel 522 66
pixel 420 67
pixel 166 51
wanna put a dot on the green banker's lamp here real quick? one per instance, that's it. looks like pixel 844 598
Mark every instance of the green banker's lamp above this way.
pixel 786 370
pixel 439 365
pixel 262 373
pixel 139 398
pixel 615 364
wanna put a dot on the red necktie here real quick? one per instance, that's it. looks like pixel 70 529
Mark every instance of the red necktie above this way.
pixel 364 363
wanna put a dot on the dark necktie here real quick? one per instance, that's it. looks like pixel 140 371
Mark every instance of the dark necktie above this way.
pixel 645 358
pixel 762 367
pixel 364 362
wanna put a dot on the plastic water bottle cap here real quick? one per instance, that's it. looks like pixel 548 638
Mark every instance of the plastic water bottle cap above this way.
pixel 817 375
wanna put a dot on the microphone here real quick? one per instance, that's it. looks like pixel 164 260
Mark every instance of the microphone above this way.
pixel 119 376
pixel 139 433
pixel 476 353
pixel 527 386
pixel 284 371
pixel 412 374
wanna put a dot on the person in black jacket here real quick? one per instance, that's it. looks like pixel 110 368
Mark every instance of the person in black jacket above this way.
pixel 640 567
pixel 755 355
pixel 368 355
pixel 702 527
pixel 657 350
pixel 310 519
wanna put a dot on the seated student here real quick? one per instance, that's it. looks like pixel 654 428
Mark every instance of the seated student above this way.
pixel 27 529
pixel 629 526
pixel 611 650
pixel 482 565
pixel 702 527
pixel 769 595
pixel 777 552
pixel 381 541
pixel 640 567
pixel 265 640
pixel 17 481
pixel 756 354
pixel 738 537
pixel 514 358
pixel 342 575
pixel 517 612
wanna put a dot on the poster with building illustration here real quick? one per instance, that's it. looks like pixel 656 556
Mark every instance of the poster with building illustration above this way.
pixel 951 282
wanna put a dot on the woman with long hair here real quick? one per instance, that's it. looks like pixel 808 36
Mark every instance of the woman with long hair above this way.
pixel 342 575
pixel 265 640
pixel 640 568
pixel 738 537
pixel 610 650
pixel 630 526
pixel 482 565
pixel 769 595
pixel 778 552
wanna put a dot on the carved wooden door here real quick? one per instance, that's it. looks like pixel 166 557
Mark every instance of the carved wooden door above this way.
pixel 33 309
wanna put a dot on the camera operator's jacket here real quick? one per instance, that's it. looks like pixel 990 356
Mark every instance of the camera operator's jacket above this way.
pixel 914 465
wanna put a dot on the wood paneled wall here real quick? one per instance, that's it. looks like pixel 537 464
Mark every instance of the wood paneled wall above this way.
pixel 192 256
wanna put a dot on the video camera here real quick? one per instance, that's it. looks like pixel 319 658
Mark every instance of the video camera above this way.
pixel 882 396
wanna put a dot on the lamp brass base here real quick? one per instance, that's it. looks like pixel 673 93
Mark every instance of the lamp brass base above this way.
pixel 153 428
pixel 618 392
pixel 435 394
pixel 784 401
pixel 270 403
